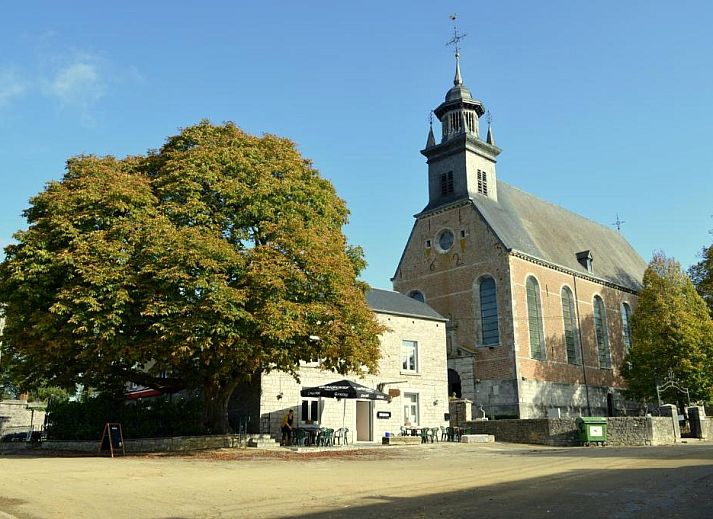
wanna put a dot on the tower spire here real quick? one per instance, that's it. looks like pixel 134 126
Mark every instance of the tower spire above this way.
pixel 457 37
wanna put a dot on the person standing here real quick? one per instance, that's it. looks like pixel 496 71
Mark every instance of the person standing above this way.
pixel 288 427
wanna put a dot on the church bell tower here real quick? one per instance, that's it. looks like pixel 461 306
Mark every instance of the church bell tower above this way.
pixel 462 165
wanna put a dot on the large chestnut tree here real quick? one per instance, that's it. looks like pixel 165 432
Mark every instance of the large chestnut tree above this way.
pixel 214 259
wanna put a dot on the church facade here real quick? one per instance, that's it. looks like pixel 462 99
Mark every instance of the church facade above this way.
pixel 539 299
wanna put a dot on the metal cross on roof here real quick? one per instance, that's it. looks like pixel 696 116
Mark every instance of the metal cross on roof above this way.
pixel 618 223
pixel 457 37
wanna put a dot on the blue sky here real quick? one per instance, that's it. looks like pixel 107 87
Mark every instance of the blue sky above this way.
pixel 600 107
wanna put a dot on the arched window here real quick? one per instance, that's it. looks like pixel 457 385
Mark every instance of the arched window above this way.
pixel 626 326
pixel 600 330
pixel 489 312
pixel 417 295
pixel 534 319
pixel 571 335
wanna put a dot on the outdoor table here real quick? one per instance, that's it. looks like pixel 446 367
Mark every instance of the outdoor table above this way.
pixel 312 432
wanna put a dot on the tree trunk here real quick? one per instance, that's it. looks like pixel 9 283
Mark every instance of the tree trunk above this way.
pixel 215 414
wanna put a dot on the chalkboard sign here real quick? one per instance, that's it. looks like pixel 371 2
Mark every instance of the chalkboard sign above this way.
pixel 112 439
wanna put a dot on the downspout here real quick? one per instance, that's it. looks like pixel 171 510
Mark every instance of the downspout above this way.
pixel 581 344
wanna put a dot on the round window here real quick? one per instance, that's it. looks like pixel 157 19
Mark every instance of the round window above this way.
pixel 445 240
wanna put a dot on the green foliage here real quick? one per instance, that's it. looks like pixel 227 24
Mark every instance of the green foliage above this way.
pixel 671 331
pixel 152 418
pixel 197 266
pixel 702 276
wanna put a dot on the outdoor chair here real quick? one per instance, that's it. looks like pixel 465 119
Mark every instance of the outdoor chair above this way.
pixel 426 435
pixel 341 435
pixel 299 437
pixel 326 437
pixel 404 431
pixel 444 433
pixel 434 434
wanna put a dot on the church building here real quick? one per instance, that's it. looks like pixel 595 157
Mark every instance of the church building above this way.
pixel 538 298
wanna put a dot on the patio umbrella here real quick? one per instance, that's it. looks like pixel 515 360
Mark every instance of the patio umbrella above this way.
pixel 344 389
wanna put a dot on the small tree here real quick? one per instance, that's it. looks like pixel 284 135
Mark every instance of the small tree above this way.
pixel 204 264
pixel 671 331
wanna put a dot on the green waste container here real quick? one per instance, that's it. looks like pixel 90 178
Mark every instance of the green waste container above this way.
pixel 592 429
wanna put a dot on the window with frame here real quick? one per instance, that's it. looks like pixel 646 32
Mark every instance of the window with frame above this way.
pixel 409 356
pixel 490 333
pixel 571 333
pixel 411 408
pixel 534 319
pixel 310 410
pixel 447 183
pixel 600 331
pixel 626 326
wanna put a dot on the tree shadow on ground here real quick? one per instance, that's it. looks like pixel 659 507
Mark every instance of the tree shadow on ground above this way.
pixel 682 492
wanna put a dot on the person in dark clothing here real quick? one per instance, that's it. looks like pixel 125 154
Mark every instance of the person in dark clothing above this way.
pixel 288 427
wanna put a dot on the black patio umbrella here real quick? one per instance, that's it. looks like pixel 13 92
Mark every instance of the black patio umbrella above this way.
pixel 344 389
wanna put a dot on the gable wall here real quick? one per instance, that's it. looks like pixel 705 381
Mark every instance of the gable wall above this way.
pixel 449 283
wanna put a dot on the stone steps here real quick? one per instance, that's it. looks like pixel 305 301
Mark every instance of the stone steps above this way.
pixel 477 438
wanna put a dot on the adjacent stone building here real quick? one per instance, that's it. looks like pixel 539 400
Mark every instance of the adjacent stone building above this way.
pixel 538 298
pixel 412 370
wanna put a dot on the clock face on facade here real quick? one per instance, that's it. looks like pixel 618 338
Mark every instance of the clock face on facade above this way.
pixel 445 240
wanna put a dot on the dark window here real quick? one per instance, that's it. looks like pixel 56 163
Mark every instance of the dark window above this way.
pixel 310 410
pixel 417 295
pixel 489 312
pixel 571 336
pixel 534 319
pixel 600 330
pixel 447 183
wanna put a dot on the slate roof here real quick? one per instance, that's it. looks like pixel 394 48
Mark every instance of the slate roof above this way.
pixel 386 301
pixel 544 231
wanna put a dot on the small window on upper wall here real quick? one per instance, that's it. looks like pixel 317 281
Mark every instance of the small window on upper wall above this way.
pixel 447 183
pixel 409 356
pixel 482 182
pixel 417 295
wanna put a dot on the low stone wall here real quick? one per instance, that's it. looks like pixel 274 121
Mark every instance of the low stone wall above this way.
pixel 176 444
pixel 563 431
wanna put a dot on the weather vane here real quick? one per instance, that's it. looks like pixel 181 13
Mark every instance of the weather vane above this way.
pixel 457 37
pixel 489 117
pixel 618 223
pixel 430 117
